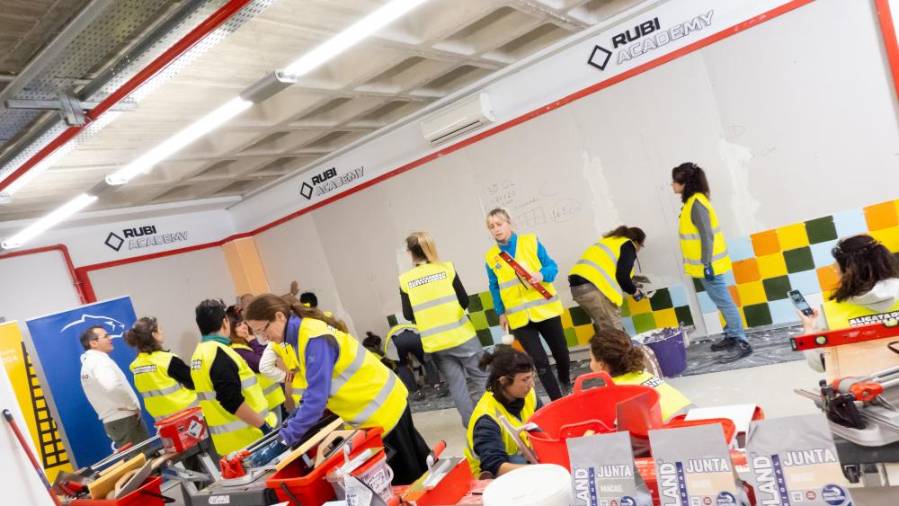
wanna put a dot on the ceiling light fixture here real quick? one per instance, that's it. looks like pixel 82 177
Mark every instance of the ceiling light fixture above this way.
pixel 58 215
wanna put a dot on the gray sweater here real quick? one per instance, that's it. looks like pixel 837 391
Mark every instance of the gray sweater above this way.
pixel 699 214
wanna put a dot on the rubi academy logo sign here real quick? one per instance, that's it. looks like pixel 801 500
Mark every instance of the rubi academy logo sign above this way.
pixel 140 237
pixel 328 181
pixel 644 38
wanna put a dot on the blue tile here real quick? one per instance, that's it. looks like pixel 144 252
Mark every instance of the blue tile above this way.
pixel 850 223
pixel 821 253
pixel 628 323
pixel 740 248
pixel 706 304
pixel 805 282
pixel 782 311
pixel 678 295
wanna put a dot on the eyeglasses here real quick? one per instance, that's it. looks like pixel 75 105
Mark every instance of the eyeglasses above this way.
pixel 262 330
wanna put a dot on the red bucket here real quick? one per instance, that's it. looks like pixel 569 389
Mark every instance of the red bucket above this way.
pixel 593 409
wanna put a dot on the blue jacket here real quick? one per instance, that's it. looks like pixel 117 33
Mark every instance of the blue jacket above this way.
pixel 548 269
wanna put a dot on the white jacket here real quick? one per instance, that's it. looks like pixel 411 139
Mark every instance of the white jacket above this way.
pixel 106 387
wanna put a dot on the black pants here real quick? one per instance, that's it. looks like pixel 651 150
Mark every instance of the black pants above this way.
pixel 552 332
pixel 409 460
pixel 409 342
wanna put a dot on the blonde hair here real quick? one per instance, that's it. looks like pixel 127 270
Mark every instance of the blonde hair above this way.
pixel 422 246
pixel 498 211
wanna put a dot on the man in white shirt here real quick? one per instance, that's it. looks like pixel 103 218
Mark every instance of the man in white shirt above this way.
pixel 108 390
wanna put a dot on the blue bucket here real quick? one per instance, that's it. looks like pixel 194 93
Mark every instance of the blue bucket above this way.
pixel 668 345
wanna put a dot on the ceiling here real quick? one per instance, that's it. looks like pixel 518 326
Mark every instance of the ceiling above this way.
pixel 439 48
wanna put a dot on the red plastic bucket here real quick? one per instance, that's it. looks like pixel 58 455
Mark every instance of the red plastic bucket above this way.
pixel 593 409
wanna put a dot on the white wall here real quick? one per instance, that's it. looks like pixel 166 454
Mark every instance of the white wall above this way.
pixel 169 288
pixel 792 120
pixel 35 285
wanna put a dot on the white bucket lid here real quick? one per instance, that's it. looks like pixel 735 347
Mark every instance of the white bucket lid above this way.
pixel 534 485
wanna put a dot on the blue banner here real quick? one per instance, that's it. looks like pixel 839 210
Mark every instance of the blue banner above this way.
pixel 55 339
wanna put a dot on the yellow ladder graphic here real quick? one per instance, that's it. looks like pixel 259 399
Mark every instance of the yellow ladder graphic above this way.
pixel 53 453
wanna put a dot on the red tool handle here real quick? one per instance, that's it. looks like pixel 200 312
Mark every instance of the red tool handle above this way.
pixel 523 274
pixel 866 392
pixel 27 449
pixel 840 337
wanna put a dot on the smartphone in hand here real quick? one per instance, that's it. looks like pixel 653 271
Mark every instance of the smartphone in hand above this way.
pixel 800 302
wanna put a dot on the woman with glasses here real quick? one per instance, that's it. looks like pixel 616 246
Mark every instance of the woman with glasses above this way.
pixel 342 376
pixel 161 377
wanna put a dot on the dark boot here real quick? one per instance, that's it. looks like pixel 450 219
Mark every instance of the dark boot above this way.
pixel 737 351
pixel 723 344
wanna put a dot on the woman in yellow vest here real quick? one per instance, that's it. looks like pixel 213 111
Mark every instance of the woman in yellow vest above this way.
pixel 612 351
pixel 434 299
pixel 161 378
pixel 248 347
pixel 604 274
pixel 705 255
pixel 342 376
pixel 523 310
pixel 491 450
pixel 868 291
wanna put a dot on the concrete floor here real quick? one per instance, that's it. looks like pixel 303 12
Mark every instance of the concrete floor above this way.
pixel 771 387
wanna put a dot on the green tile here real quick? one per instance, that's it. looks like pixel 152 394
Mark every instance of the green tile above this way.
pixel 684 315
pixel 479 320
pixel 644 322
pixel 776 288
pixel 757 315
pixel 821 230
pixel 579 316
pixel 485 337
pixel 625 308
pixel 486 300
pixel 492 319
pixel 474 304
pixel 661 300
pixel 799 259
pixel 697 285
pixel 391 320
pixel 570 337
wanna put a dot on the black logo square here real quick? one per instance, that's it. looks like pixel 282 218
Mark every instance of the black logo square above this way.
pixel 599 58
pixel 306 190
pixel 114 241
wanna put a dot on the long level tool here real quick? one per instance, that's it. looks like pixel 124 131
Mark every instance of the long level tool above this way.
pixel 523 275
pixel 7 414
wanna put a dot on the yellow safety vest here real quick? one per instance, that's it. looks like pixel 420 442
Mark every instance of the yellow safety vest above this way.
pixel 228 432
pixel 441 321
pixel 396 329
pixel 691 244
pixel 163 395
pixel 522 302
pixel 489 406
pixel 364 392
pixel 599 265
pixel 671 401
pixel 274 394
pixel 843 315
pixel 289 357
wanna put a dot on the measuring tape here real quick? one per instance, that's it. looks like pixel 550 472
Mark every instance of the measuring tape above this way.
pixel 523 275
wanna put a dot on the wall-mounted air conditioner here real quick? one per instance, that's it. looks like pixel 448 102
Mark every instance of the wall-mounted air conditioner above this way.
pixel 458 118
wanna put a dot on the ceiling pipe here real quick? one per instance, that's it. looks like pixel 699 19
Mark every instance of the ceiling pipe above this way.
pixel 157 65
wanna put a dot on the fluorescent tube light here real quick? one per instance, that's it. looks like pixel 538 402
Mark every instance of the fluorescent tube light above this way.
pixel 351 36
pixel 175 143
pixel 56 216
pixel 33 172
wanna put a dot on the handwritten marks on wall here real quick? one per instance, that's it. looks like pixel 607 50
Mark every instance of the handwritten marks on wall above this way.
pixel 532 207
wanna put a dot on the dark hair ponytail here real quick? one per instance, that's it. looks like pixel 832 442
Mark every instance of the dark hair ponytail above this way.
pixel 692 177
pixel 613 348
pixel 140 335
pixel 504 362
pixel 863 262
pixel 635 234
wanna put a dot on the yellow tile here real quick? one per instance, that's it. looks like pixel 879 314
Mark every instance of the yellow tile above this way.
pixel 792 236
pixel 751 293
pixel 666 318
pixel 888 236
pixel 770 266
pixel 583 333
pixel 639 307
pixel 566 319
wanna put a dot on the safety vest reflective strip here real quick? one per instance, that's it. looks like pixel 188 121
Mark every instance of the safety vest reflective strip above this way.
pixel 363 391
pixel 691 243
pixel 162 394
pixel 489 406
pixel 441 320
pixel 843 315
pixel 599 264
pixel 274 394
pixel 522 302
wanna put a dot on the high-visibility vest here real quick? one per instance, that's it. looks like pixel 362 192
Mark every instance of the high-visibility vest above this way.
pixel 843 315
pixel 599 264
pixel 691 243
pixel 162 394
pixel 228 432
pixel 364 392
pixel 442 323
pixel 274 394
pixel 489 406
pixel 522 302
pixel 671 401
pixel 287 354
